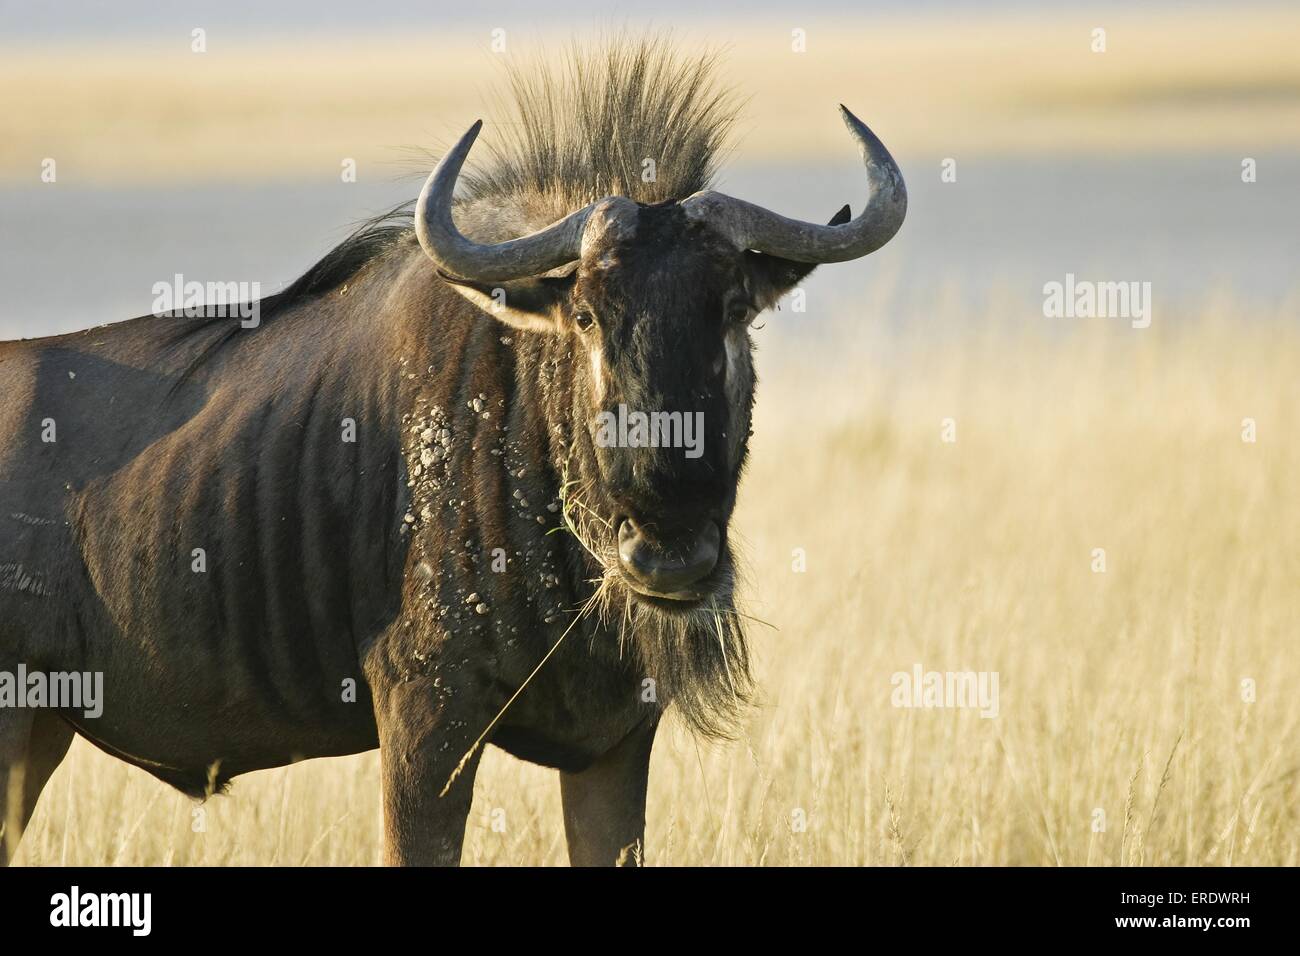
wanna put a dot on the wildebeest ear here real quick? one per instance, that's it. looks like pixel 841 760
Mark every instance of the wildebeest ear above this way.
pixel 535 303
pixel 772 277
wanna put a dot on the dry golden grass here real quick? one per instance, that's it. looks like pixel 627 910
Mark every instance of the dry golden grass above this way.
pixel 1120 691
pixel 956 85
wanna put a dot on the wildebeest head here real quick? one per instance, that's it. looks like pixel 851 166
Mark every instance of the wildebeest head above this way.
pixel 658 300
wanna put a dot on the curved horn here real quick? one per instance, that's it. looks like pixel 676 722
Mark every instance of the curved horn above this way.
pixel 753 227
pixel 463 258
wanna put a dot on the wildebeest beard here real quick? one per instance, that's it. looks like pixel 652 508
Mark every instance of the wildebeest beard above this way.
pixel 698 657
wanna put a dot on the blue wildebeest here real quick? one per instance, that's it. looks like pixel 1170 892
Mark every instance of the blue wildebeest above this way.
pixel 397 483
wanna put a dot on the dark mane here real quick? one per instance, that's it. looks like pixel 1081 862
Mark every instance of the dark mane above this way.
pixel 371 239
pixel 584 128
pixel 572 132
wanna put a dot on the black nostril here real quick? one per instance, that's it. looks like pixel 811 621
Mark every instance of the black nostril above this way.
pixel 671 569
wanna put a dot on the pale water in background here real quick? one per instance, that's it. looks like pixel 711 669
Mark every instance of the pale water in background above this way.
pixel 72 257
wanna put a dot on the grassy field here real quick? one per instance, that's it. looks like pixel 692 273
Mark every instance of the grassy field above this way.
pixel 955 85
pixel 1120 691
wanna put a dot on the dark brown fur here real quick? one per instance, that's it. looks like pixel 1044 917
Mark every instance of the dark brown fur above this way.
pixel 370 563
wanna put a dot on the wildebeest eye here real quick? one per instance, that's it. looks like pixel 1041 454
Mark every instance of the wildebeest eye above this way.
pixel 738 312
pixel 584 321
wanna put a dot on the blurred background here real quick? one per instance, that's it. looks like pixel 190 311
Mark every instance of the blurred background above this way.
pixel 947 458
pixel 1125 164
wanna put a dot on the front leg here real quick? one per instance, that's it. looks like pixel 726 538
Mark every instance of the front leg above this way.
pixel 604 806
pixel 420 747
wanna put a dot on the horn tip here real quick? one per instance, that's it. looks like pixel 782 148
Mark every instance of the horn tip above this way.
pixel 851 121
